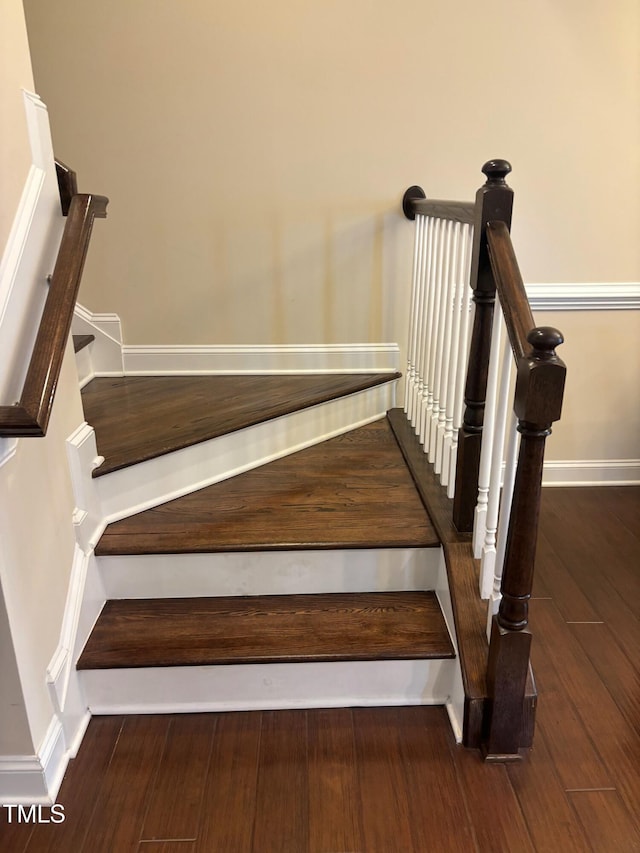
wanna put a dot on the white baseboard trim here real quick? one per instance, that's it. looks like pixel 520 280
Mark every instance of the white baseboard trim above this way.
pixel 35 779
pixel 592 472
pixel 261 359
pixel 106 349
pixel 590 296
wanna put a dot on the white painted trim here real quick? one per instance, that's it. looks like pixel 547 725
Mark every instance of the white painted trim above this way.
pixel 31 246
pixel 590 296
pixel 261 359
pixel 269 572
pixel 27 779
pixel 156 481
pixel 591 472
pixel 106 350
pixel 83 457
pixel 274 686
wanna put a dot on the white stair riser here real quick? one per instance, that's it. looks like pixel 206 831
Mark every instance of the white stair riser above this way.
pixel 130 490
pixel 269 572
pixel 255 687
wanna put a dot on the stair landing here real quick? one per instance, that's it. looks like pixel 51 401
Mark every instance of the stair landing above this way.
pixel 137 418
pixel 352 491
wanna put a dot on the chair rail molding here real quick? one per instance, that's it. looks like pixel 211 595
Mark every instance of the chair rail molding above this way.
pixel 589 296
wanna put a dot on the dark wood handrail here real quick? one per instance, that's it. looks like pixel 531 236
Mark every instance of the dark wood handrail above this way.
pixel 30 416
pixel 510 286
pixel 414 202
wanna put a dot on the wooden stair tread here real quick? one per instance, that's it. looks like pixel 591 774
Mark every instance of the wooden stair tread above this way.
pixel 352 491
pixel 82 341
pixel 137 418
pixel 267 629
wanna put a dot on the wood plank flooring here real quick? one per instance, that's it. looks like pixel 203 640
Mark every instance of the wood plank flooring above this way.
pixel 141 417
pixel 383 780
pixel 353 491
pixel 267 629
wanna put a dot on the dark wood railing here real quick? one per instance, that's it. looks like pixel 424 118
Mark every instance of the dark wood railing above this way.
pixel 540 378
pixel 539 391
pixel 30 415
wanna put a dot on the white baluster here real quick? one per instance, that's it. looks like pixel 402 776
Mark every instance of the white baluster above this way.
pixel 413 313
pixel 463 357
pixel 488 564
pixel 424 314
pixel 432 287
pixel 479 524
pixel 419 296
pixel 446 389
pixel 454 353
pixel 435 343
pixel 511 465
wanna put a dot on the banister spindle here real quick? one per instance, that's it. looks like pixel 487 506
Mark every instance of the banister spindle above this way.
pixel 494 202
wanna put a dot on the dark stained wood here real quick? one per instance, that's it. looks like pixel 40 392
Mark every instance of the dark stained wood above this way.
pixel 175 800
pixel 437 812
pixel 282 795
pixel 620 675
pixel 538 403
pixel 67 185
pixel 463 572
pixel 608 824
pixel 80 790
pixel 141 417
pixel 456 211
pixel 543 796
pixel 384 791
pixel 434 496
pixel 335 819
pixel 510 286
pixel 31 416
pixel 126 785
pixel 353 491
pixel 229 802
pixel 82 341
pixel 552 823
pixel 616 743
pixel 494 202
pixel 487 790
pixel 177 846
pixel 267 629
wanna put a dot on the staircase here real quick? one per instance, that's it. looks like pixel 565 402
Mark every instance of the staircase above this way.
pixel 309 580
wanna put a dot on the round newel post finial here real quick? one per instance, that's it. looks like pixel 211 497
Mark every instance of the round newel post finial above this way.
pixel 407 201
pixel 544 340
pixel 496 171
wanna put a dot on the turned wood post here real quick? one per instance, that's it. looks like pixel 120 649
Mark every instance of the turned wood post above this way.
pixel 494 202
pixel 538 403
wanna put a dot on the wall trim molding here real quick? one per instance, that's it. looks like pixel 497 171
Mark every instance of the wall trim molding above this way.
pixel 261 358
pixel 35 779
pixel 590 296
pixel 591 472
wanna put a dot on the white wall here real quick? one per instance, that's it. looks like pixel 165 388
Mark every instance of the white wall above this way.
pixel 36 501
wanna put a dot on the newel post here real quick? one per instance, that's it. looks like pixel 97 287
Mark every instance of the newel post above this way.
pixel 494 202
pixel 538 403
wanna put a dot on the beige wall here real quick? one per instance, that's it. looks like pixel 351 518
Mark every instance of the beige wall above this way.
pixel 15 73
pixel 255 154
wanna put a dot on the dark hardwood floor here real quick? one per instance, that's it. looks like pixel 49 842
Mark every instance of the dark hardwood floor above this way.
pixel 392 780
